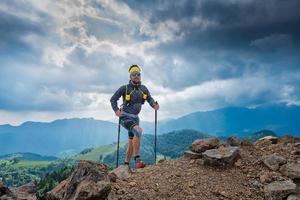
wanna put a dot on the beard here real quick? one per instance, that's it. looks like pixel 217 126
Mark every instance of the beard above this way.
pixel 136 82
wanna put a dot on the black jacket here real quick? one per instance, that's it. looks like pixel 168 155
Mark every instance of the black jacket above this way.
pixel 136 98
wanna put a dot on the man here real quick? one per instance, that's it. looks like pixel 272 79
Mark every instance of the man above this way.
pixel 134 95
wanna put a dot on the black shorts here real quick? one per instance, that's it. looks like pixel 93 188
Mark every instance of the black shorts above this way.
pixel 128 123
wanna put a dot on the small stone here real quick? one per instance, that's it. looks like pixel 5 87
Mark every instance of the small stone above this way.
pixel 132 184
pixel 192 161
pixel 199 161
pixel 238 163
pixel 191 184
pixel 225 194
pixel 257 184
pixel 266 178
pixel 112 177
pixel 296 152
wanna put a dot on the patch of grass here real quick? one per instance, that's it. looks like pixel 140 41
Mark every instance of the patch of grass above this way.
pixel 30 164
pixel 98 154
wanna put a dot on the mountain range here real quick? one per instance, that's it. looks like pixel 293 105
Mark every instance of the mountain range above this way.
pixel 68 136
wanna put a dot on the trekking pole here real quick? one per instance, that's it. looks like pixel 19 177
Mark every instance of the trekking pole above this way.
pixel 119 127
pixel 155 135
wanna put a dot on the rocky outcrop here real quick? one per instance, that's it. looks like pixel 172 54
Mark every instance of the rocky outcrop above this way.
pixel 223 156
pixel 27 192
pixel 253 174
pixel 201 145
pixel 88 181
pixel 279 190
pixel 6 193
pixel 273 161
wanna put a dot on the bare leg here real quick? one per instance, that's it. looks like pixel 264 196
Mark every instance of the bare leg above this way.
pixel 129 150
pixel 136 140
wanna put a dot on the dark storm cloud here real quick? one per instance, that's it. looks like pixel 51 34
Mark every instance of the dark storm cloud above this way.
pixel 13 30
pixel 228 39
pixel 236 23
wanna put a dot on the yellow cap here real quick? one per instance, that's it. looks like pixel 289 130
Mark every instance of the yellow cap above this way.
pixel 134 68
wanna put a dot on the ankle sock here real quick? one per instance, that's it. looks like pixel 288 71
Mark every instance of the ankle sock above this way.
pixel 137 158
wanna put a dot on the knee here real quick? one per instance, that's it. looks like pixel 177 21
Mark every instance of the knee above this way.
pixel 138 129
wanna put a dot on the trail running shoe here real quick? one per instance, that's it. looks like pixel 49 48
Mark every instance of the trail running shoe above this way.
pixel 139 164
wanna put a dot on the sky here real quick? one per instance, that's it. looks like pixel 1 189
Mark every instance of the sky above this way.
pixel 66 58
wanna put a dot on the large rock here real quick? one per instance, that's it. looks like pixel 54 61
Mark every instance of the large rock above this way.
pixel 5 192
pixel 26 192
pixel 192 155
pixel 88 181
pixel 279 190
pixel 293 197
pixel 297 145
pixel 274 162
pixel 223 156
pixel 122 172
pixel 201 145
pixel 291 170
pixel 233 141
pixel 267 141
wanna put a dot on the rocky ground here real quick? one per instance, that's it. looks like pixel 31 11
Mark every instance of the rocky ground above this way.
pixel 269 169
pixel 187 178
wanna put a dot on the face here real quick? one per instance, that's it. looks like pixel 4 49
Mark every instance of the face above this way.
pixel 134 78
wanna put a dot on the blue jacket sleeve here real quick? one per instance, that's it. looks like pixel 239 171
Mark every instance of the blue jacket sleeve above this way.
pixel 150 100
pixel 114 99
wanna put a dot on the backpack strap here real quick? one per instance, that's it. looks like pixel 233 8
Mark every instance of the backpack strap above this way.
pixel 145 96
pixel 128 95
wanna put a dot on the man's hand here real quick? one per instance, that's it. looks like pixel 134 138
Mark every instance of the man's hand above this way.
pixel 119 113
pixel 156 106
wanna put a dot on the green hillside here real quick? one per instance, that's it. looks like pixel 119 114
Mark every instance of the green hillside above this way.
pixel 27 156
pixel 169 145
pixel 99 153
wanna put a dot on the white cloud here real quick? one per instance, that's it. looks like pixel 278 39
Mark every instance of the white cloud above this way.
pixel 80 65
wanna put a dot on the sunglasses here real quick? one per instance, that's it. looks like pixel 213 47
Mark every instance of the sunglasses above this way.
pixel 134 74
